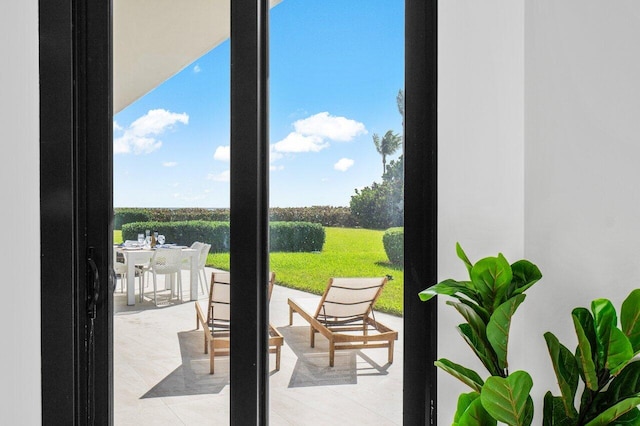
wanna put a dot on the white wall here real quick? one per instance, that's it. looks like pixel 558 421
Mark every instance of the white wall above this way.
pixel 480 154
pixel 582 138
pixel 20 215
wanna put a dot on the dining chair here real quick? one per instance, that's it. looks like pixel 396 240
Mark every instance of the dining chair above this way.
pixel 202 261
pixel 166 261
pixel 120 269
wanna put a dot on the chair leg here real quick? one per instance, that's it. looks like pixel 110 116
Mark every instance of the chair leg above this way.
pixel 391 351
pixel 179 274
pixel 211 357
pixel 332 353
pixel 278 357
pixel 312 336
pixel 155 294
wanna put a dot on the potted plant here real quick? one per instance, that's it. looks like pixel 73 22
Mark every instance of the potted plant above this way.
pixel 603 359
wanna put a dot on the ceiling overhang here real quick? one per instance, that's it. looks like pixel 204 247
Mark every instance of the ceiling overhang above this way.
pixel 155 39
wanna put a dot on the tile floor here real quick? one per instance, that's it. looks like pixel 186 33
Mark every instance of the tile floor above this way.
pixel 161 374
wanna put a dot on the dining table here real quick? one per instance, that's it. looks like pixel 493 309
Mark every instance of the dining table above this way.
pixel 141 255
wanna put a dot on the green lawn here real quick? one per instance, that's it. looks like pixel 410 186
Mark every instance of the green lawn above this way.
pixel 347 252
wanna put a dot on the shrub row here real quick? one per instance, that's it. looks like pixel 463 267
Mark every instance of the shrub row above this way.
pixel 296 236
pixel 393 241
pixel 324 215
pixel 284 236
pixel 184 233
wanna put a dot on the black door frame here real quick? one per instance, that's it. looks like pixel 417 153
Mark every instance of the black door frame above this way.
pixel 76 209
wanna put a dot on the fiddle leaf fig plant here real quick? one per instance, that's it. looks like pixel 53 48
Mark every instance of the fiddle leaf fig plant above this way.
pixel 605 359
pixel 487 302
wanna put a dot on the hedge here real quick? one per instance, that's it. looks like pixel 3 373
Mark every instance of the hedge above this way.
pixel 184 233
pixel 325 215
pixel 296 236
pixel 284 236
pixel 393 241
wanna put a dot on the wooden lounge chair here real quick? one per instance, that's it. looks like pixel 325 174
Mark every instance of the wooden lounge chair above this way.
pixel 215 323
pixel 344 315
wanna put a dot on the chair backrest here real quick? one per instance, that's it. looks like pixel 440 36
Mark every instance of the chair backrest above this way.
pixel 348 300
pixel 196 245
pixel 219 312
pixel 166 260
pixel 204 252
pixel 119 262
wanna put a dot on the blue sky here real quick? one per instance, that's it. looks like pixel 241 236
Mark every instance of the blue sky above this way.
pixel 335 69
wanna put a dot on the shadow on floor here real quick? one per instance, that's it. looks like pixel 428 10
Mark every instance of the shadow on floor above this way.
pixel 192 377
pixel 312 364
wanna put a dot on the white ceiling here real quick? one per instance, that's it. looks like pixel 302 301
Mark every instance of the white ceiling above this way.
pixel 155 39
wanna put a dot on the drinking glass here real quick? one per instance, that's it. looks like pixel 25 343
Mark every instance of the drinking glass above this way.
pixel 141 239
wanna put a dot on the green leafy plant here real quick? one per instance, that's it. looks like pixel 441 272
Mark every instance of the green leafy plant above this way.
pixel 603 359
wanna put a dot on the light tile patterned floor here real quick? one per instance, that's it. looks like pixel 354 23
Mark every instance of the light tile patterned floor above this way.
pixel 161 374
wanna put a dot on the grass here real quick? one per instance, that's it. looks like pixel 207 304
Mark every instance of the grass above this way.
pixel 347 252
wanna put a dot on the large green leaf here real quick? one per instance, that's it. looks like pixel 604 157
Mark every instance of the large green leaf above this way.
pixel 472 318
pixel 630 319
pixel 630 418
pixel 554 412
pixel 525 274
pixel 584 353
pixel 624 385
pixel 491 277
pixel 619 352
pixel 507 399
pixel 464 400
pixel 566 369
pixel 449 288
pixel 481 348
pixel 463 256
pixel 482 312
pixel 618 410
pixel 498 328
pixel 588 325
pixel 467 376
pixel 470 412
pixel 605 320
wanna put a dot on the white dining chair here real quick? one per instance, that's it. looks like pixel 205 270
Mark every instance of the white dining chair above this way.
pixel 120 269
pixel 202 260
pixel 166 261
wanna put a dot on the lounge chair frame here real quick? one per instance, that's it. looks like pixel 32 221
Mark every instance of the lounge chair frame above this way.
pixel 360 331
pixel 216 330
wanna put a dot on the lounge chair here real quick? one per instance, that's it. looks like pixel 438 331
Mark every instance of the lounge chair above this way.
pixel 216 322
pixel 344 315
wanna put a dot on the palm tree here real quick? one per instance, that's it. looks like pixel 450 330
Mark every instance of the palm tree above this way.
pixel 387 146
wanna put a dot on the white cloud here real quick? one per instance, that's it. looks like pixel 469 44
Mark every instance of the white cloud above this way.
pixel 327 126
pixel 197 69
pixel 276 168
pixel 116 126
pixel 295 142
pixel 223 153
pixel 139 137
pixel 220 177
pixel 343 164
pixel 313 134
pixel 169 164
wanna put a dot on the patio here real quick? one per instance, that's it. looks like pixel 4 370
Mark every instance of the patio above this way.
pixel 161 374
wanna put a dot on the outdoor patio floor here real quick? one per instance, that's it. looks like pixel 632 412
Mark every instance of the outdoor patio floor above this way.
pixel 161 374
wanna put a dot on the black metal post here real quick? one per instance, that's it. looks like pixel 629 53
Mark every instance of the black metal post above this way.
pixel 249 212
pixel 421 209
